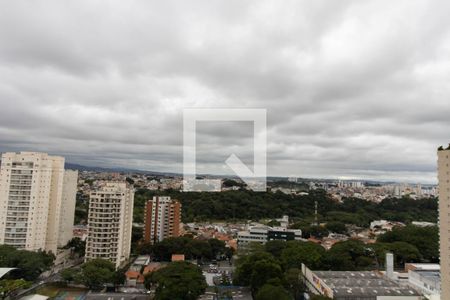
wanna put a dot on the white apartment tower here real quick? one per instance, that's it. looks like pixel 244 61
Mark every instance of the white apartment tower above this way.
pixel 110 222
pixel 68 201
pixel 31 200
pixel 444 219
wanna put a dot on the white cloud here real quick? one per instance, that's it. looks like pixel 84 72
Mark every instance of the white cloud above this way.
pixel 355 89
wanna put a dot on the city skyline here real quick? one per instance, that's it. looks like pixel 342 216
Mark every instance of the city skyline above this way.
pixel 352 90
pixel 113 168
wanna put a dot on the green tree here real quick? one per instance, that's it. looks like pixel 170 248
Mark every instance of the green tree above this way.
pixel 8 286
pixel 350 255
pixel 246 265
pixel 403 252
pixel 29 264
pixel 145 248
pixel 298 252
pixel 69 275
pixel 191 248
pixel 136 238
pixel 262 272
pixel 293 283
pixel 231 182
pixel 273 223
pixel 177 281
pixel 199 249
pixel 271 292
pixel 119 276
pixel 336 227
pixel 275 247
pixel 77 245
pixel 257 269
pixel 425 239
pixel 314 231
pixel 217 247
pixel 96 273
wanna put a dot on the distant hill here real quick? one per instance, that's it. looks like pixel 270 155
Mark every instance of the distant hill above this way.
pixel 119 170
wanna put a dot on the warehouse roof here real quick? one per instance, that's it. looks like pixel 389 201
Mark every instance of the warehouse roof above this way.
pixel 366 283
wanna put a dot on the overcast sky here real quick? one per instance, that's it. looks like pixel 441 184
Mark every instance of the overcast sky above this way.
pixel 353 89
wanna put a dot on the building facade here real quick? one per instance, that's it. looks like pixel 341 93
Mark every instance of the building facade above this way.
pixel 110 222
pixel 68 202
pixel 162 219
pixel 427 282
pixel 31 193
pixel 262 234
pixel 444 219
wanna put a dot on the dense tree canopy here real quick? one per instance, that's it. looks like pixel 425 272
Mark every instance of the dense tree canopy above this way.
pixel 271 292
pixel 29 264
pixel 69 275
pixel 191 248
pixel 336 227
pixel 256 269
pixel 313 231
pixel 403 253
pixel 94 273
pixel 349 255
pixel 8 286
pixel 425 239
pixel 244 205
pixel 292 282
pixel 231 183
pixel 297 253
pixel 177 281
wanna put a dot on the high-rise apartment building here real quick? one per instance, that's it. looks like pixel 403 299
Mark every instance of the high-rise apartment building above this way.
pixel 162 219
pixel 31 200
pixel 68 201
pixel 444 219
pixel 110 222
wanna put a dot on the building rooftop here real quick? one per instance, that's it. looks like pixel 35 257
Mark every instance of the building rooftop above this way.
pixel 362 283
pixel 152 267
pixel 177 257
pixel 142 260
pixel 34 297
pixel 422 266
pixel 3 271
pixel 432 275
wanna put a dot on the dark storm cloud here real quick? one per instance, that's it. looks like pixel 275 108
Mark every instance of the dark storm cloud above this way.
pixel 352 89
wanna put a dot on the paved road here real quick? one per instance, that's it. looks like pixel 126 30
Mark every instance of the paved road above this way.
pixel 238 293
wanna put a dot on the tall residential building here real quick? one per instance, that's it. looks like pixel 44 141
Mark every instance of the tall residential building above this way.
pixel 444 219
pixel 162 219
pixel 31 193
pixel 67 218
pixel 110 222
